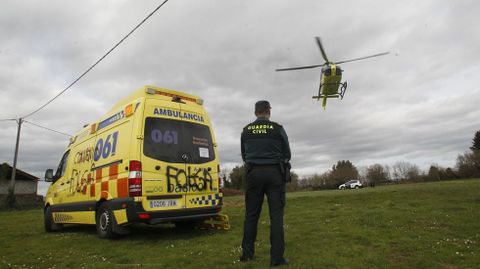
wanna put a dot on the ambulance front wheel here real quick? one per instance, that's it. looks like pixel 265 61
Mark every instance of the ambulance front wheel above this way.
pixel 104 221
pixel 50 225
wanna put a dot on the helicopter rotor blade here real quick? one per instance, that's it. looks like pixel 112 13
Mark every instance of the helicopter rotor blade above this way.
pixel 300 67
pixel 362 58
pixel 319 43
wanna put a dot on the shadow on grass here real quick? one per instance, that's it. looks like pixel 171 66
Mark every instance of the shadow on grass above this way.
pixel 143 232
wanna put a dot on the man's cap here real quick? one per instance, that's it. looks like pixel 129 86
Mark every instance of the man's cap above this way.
pixel 262 105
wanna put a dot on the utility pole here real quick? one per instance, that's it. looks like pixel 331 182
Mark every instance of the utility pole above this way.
pixel 14 170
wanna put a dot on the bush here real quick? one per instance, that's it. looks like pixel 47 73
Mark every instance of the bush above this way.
pixel 10 201
pixel 231 192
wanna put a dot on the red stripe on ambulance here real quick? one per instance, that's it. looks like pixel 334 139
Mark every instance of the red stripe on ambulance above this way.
pixel 98 175
pixel 122 187
pixel 113 171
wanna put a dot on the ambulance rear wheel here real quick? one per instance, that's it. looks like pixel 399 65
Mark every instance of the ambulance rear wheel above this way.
pixel 50 225
pixel 104 221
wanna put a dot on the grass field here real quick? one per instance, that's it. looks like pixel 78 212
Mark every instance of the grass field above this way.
pixel 425 225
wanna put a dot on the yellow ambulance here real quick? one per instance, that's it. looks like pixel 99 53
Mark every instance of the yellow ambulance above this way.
pixel 151 159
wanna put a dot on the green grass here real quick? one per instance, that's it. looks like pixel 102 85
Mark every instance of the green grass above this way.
pixel 425 225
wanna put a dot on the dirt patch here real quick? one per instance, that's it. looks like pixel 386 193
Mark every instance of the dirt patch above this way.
pixel 398 257
pixel 450 266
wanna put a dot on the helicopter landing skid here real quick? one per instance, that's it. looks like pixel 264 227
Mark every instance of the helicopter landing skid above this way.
pixel 342 90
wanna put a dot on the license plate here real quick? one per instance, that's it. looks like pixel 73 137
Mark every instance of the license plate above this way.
pixel 163 203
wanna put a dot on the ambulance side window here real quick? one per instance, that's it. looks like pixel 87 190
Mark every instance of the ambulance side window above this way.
pixel 61 167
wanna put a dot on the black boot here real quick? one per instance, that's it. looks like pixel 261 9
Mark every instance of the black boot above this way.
pixel 279 263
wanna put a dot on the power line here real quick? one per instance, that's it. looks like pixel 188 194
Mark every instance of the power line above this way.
pixel 46 128
pixel 22 119
pixel 19 121
pixel 95 64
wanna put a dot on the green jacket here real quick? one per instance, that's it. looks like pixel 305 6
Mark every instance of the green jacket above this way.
pixel 264 142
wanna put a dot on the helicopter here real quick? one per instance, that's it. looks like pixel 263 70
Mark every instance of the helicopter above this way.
pixel 331 75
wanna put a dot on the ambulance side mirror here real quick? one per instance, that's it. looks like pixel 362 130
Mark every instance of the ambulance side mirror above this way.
pixel 49 175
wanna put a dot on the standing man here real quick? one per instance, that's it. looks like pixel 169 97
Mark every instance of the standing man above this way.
pixel 265 151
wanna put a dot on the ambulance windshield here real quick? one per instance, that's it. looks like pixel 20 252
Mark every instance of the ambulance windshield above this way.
pixel 177 141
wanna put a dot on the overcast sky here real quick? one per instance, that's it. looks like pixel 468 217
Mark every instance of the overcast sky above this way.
pixel 419 104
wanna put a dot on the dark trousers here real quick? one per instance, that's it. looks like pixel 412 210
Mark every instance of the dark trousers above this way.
pixel 263 180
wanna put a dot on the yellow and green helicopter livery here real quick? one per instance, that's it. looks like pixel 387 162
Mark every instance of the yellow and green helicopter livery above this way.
pixel 331 76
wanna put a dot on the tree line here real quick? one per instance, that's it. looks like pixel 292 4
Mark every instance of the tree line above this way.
pixel 467 166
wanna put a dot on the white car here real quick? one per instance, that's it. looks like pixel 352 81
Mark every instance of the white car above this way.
pixel 352 184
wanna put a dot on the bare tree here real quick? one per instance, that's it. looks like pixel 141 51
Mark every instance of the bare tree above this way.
pixel 405 171
pixel 376 173
pixel 224 172
pixel 466 165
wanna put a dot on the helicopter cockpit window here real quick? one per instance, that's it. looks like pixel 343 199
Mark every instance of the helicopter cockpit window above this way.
pixel 339 72
pixel 328 72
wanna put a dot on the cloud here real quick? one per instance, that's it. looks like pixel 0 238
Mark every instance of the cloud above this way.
pixel 417 104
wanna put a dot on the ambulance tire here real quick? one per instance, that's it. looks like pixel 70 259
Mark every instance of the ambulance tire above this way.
pixel 50 225
pixel 104 221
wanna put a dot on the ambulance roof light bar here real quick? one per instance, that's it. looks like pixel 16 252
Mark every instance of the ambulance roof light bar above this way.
pixel 175 97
